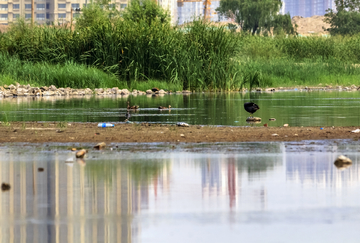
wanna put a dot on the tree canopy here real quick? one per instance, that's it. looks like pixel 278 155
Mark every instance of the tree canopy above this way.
pixel 346 19
pixel 256 15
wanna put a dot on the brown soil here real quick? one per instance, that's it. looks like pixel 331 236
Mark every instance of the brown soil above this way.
pixel 311 25
pixel 89 132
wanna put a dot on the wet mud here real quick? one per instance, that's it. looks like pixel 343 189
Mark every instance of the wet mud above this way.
pixel 33 132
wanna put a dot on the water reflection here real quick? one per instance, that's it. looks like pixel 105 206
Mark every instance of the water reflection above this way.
pixel 121 196
pixel 293 108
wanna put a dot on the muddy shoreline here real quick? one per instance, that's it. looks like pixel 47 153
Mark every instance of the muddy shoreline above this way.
pixel 47 132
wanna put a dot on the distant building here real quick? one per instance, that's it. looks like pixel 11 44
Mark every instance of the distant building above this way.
pixel 46 11
pixel 187 11
pixel 59 11
pixel 307 8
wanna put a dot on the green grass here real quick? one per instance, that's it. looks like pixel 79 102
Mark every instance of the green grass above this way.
pixel 139 49
pixel 289 73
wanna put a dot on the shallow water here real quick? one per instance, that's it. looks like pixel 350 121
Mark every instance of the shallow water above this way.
pixel 294 108
pixel 219 192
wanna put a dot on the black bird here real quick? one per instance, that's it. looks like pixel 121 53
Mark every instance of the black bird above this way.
pixel 251 107
pixel 127 116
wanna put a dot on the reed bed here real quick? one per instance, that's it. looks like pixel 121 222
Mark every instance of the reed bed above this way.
pixel 69 74
pixel 136 46
pixel 139 48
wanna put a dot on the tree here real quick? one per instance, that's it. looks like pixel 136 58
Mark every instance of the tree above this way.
pixel 346 19
pixel 254 15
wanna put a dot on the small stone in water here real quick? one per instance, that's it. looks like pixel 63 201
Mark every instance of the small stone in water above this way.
pixel 5 186
pixel 81 153
pixel 40 169
pixel 100 145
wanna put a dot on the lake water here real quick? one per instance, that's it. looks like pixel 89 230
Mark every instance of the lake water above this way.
pixel 337 108
pixel 218 192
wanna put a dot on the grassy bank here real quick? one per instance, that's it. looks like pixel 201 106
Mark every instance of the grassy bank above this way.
pixel 139 49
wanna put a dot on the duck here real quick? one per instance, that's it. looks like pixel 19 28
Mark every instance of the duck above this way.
pixel 164 107
pixel 251 107
pixel 134 107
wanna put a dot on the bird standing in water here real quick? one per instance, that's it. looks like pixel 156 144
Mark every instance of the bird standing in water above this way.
pixel 251 107
pixel 127 116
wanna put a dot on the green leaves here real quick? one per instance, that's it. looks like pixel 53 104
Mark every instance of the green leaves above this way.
pixel 256 15
pixel 346 19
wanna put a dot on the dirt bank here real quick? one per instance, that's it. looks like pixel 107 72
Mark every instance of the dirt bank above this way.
pixel 89 132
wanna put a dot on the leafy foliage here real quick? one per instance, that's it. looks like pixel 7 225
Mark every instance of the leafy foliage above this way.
pixel 346 19
pixel 256 15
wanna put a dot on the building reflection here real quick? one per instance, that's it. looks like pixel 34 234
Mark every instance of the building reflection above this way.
pixel 320 170
pixel 226 175
pixel 70 202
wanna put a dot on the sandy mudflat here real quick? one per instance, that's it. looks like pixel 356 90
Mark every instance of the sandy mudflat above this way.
pixel 33 132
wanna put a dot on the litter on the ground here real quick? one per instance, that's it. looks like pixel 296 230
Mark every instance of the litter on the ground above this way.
pixel 356 131
pixel 182 124
pixel 105 125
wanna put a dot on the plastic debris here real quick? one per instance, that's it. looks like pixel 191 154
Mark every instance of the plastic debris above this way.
pixel 182 124
pixel 182 135
pixel 286 125
pixel 275 135
pixel 321 128
pixel 356 131
pixel 105 125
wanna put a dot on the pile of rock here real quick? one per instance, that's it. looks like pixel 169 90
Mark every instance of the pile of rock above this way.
pixel 27 90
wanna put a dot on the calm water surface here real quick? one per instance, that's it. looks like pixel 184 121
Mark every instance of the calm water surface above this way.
pixel 295 108
pixel 222 192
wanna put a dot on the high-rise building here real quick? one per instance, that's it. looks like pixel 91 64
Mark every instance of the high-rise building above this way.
pixel 46 11
pixel 60 11
pixel 307 8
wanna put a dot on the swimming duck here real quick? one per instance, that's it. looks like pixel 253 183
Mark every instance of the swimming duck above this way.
pixel 251 107
pixel 134 107
pixel 164 108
